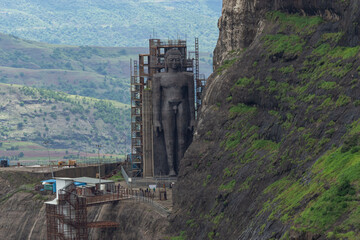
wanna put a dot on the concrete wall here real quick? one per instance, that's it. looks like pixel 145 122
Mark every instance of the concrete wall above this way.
pixel 89 171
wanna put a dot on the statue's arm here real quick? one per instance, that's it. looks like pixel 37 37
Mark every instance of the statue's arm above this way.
pixel 157 103
pixel 191 94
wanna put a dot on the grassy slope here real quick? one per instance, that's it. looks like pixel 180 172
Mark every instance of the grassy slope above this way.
pixel 68 122
pixel 328 201
pixel 290 152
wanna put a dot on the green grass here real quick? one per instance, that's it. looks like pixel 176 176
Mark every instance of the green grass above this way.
pixel 228 187
pixel 207 180
pixel 226 64
pixel 344 52
pixel 297 23
pixel 241 109
pixel 342 100
pixel 287 69
pixel 246 184
pixel 326 62
pixel 328 85
pixel 243 82
pixel 332 37
pixel 281 43
pixel 182 236
pixel 251 153
pixel 218 218
pixel 322 206
pixel 233 140
pixel 322 49
pixel 117 177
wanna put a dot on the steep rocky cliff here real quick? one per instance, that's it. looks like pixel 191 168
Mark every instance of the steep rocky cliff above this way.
pixel 22 209
pixel 276 150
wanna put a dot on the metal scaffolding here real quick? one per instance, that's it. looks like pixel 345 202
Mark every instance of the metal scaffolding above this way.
pixel 200 80
pixel 137 87
pixel 66 216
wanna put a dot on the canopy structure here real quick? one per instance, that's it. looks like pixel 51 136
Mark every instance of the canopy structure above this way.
pixel 49 181
pixel 79 184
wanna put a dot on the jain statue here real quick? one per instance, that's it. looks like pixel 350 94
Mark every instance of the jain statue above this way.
pixel 174 110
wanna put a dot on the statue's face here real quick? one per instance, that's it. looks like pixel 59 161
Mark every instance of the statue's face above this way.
pixel 173 61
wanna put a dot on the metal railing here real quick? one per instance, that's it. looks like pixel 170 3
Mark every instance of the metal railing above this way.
pixel 123 172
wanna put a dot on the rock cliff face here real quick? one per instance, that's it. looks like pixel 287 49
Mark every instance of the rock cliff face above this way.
pixel 137 221
pixel 241 20
pixel 276 148
pixel 22 210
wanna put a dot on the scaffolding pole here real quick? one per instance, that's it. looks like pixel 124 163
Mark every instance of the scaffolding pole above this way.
pixel 199 79
pixel 137 86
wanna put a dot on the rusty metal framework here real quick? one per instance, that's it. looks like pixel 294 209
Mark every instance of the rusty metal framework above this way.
pixel 200 80
pixel 67 219
pixel 66 216
pixel 137 86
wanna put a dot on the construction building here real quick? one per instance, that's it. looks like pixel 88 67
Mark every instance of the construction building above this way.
pixel 143 156
pixel 66 215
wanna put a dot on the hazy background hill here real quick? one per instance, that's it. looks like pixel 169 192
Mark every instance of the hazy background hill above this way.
pixel 123 23
pixel 100 72
pixel 88 71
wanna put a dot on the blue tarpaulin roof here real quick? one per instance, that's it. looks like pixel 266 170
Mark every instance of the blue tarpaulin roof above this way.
pixel 49 181
pixel 54 181
pixel 79 184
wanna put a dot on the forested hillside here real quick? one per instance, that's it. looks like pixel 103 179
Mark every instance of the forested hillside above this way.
pixel 123 23
pixel 63 121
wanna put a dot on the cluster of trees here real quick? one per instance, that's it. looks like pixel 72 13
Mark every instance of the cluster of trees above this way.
pixel 115 116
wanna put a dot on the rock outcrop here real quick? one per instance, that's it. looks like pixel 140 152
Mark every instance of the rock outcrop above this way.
pixel 241 20
pixel 277 140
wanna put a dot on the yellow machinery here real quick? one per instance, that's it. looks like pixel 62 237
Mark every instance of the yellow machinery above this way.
pixel 61 163
pixel 72 163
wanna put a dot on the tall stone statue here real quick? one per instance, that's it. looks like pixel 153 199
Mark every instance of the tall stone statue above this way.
pixel 173 108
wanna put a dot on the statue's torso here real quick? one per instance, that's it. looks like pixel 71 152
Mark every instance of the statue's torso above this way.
pixel 174 86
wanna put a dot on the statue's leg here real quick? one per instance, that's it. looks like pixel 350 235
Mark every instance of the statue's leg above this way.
pixel 181 128
pixel 168 123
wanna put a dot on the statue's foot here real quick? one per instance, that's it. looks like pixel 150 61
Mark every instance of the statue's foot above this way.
pixel 172 173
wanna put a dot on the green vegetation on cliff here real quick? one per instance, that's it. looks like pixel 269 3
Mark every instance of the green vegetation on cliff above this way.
pixel 283 154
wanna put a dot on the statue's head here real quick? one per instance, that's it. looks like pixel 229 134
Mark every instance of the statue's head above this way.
pixel 173 59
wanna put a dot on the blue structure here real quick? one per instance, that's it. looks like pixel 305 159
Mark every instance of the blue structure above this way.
pixel 51 182
pixel 4 162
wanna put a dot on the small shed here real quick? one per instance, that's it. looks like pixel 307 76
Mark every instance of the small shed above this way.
pixel 49 185
pixel 99 184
